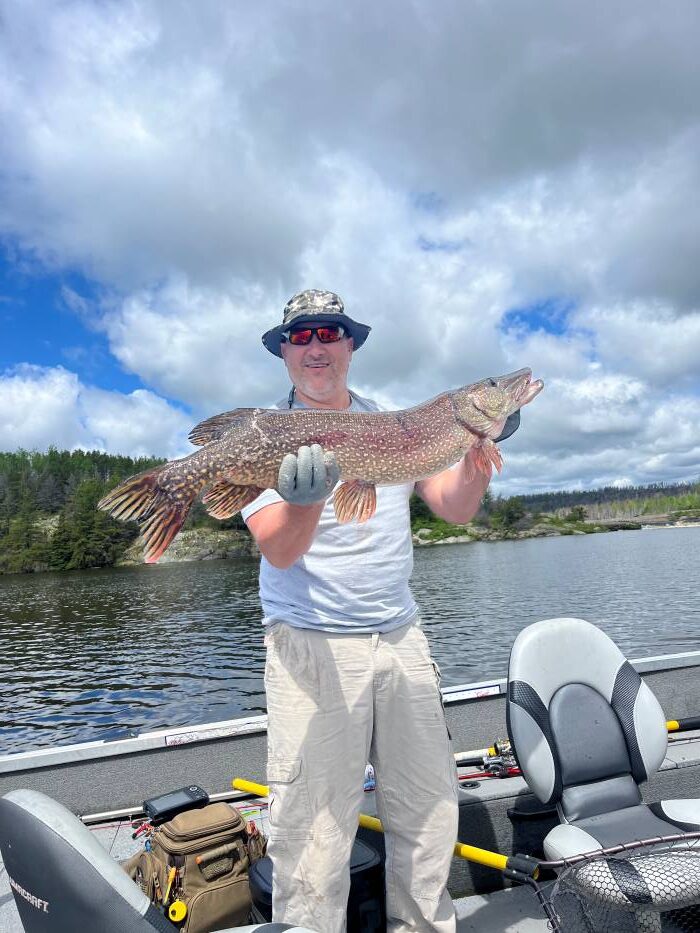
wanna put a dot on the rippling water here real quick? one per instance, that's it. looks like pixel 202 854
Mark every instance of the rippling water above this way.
pixel 85 654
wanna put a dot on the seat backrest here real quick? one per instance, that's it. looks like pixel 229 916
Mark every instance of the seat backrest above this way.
pixel 585 728
pixel 62 879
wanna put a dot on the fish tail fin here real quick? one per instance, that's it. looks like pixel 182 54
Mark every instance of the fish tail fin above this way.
pixel 160 514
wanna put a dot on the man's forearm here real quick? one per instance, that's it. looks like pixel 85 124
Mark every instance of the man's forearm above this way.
pixel 451 495
pixel 284 532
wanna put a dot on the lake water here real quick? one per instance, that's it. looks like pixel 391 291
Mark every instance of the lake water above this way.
pixel 85 654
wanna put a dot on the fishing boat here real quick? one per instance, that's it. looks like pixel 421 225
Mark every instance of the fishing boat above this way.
pixel 105 783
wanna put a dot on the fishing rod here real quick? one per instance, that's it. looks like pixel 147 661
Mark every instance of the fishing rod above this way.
pixel 478 756
pixel 683 725
pixel 501 772
pixel 500 747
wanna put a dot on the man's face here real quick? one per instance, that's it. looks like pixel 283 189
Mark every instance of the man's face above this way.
pixel 319 370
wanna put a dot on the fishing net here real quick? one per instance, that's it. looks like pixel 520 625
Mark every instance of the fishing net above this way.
pixel 651 889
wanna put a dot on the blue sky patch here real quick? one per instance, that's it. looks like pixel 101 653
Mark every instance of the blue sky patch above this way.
pixel 40 328
pixel 550 315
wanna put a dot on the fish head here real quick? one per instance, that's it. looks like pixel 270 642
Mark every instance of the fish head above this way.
pixel 483 407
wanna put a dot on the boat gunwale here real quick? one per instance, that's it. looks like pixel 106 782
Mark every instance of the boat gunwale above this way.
pixel 175 736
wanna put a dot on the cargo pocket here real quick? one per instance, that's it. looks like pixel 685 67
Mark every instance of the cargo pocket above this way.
pixel 290 807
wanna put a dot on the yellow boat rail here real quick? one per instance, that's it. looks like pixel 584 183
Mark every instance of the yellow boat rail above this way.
pixel 495 860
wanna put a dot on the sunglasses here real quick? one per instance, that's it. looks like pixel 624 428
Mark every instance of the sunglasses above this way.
pixel 326 333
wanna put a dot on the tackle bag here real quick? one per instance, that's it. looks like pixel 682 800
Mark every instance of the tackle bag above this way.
pixel 195 867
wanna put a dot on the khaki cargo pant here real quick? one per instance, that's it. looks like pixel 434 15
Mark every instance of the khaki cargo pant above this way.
pixel 335 702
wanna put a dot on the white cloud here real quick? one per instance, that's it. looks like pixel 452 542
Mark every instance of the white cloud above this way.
pixel 36 404
pixel 49 406
pixel 147 140
pixel 619 433
pixel 197 344
pixel 648 339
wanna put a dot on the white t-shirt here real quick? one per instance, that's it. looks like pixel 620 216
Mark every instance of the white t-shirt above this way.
pixel 354 577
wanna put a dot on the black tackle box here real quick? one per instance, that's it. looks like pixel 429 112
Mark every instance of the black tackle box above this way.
pixel 366 904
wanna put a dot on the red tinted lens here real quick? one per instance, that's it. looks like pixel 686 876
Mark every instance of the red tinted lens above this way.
pixel 329 334
pixel 300 337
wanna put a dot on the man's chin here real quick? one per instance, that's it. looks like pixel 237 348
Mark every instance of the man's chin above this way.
pixel 321 393
pixel 320 383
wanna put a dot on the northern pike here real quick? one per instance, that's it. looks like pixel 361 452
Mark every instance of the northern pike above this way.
pixel 242 451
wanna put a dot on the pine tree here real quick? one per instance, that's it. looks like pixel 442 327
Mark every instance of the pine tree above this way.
pixel 60 546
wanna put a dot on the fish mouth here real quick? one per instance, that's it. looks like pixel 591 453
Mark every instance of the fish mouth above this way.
pixel 518 385
pixel 514 383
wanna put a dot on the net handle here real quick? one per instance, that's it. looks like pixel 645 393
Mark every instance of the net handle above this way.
pixel 622 847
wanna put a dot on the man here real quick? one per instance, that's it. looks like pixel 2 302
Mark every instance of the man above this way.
pixel 348 675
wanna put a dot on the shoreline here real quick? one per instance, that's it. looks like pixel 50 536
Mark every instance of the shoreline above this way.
pixel 542 530
pixel 204 544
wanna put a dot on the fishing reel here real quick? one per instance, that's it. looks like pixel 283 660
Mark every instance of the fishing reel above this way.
pixel 498 761
pixel 501 764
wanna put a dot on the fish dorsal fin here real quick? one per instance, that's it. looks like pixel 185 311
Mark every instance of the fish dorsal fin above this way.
pixel 355 499
pixel 225 498
pixel 216 426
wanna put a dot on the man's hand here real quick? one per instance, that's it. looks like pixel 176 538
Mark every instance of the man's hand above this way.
pixel 510 427
pixel 307 476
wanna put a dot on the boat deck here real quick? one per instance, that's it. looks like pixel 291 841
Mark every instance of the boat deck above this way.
pixel 509 910
pixel 496 815
pixel 513 910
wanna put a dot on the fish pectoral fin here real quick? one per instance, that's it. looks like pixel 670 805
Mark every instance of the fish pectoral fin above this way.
pixel 469 467
pixel 486 456
pixel 215 427
pixel 225 498
pixel 355 499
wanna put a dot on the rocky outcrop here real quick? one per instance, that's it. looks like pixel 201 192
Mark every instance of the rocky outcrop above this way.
pixel 198 544
pixel 420 540
pixel 425 537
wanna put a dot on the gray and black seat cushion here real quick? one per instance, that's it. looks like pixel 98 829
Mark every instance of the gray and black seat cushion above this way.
pixel 61 876
pixel 587 731
pixel 63 880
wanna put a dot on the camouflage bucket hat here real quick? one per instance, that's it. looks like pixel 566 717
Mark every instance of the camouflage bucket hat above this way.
pixel 314 307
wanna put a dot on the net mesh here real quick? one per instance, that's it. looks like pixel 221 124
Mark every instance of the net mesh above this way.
pixel 652 890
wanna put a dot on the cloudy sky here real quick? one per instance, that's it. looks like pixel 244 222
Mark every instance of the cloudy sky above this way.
pixel 489 185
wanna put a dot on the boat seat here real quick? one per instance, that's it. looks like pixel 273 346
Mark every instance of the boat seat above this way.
pixel 587 731
pixel 63 880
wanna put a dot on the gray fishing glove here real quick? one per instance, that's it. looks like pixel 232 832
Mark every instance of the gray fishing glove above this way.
pixel 307 476
pixel 510 427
